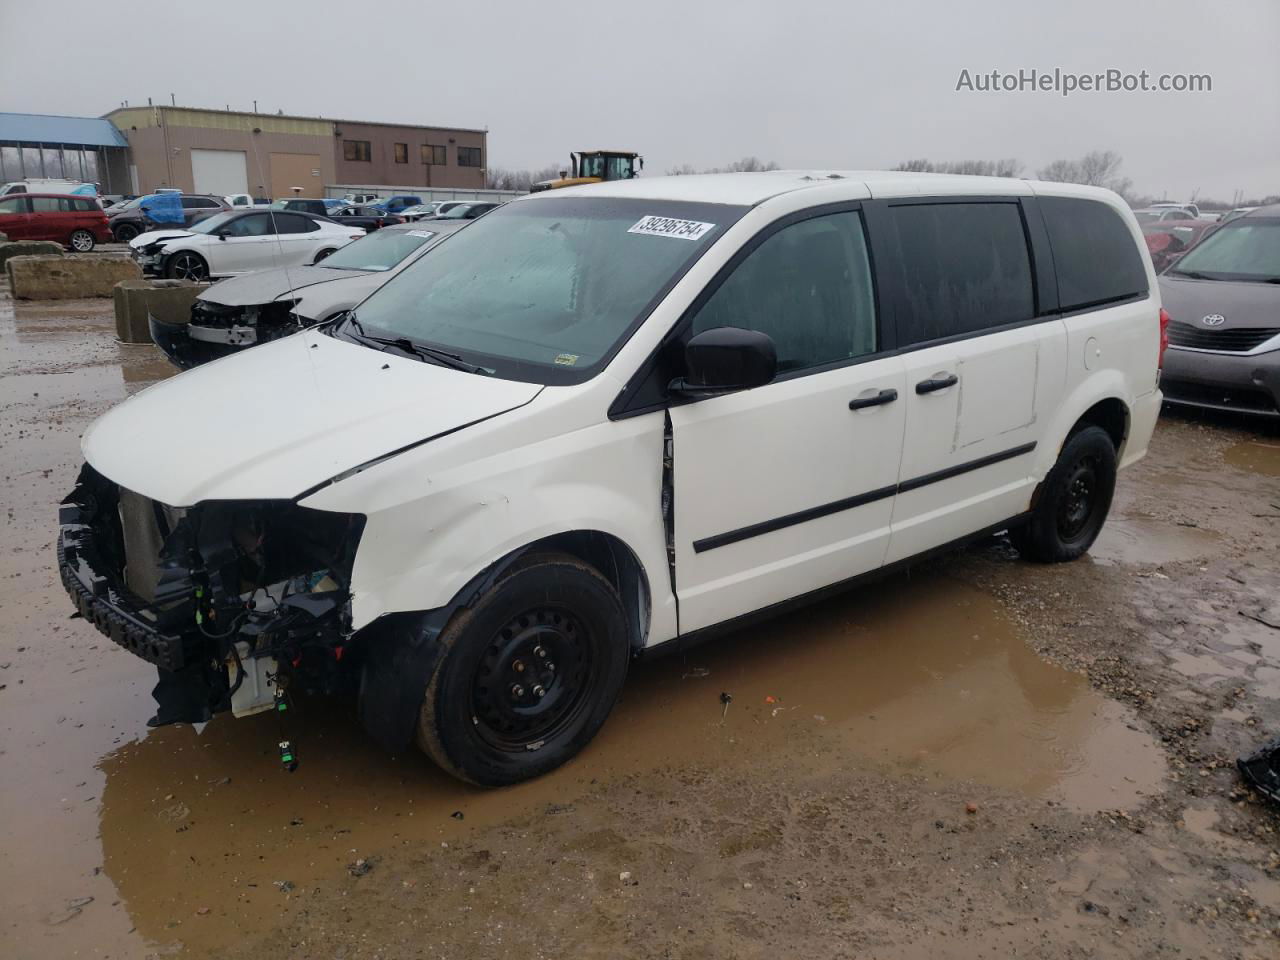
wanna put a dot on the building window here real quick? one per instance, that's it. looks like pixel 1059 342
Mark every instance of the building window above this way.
pixel 469 157
pixel 402 153
pixel 356 150
pixel 434 154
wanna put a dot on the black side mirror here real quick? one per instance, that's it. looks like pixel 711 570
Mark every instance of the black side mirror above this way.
pixel 725 360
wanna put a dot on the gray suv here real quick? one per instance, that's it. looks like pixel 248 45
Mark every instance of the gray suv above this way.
pixel 131 221
pixel 1223 300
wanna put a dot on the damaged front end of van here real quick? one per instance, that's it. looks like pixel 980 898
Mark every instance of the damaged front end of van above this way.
pixel 233 601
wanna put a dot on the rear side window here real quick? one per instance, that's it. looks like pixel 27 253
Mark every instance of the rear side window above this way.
pixel 808 286
pixel 964 267
pixel 50 205
pixel 293 223
pixel 1094 254
pixel 84 206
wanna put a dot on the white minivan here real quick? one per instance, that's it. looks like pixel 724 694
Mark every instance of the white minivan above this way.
pixel 611 420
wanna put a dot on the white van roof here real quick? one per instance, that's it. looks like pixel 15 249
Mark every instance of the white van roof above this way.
pixel 749 189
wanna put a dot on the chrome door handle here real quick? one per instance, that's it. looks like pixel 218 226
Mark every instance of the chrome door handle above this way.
pixel 879 399
pixel 937 383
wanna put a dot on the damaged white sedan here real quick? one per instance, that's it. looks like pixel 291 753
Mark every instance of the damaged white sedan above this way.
pixel 611 420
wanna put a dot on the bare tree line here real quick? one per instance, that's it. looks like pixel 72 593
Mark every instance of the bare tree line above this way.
pixel 1098 168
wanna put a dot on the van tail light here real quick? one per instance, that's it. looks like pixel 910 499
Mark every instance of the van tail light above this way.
pixel 356 236
pixel 1164 337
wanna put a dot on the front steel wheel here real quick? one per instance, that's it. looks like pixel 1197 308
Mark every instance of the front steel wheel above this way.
pixel 528 675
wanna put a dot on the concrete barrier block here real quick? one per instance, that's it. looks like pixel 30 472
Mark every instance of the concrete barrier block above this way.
pixel 169 301
pixel 68 278
pixel 28 248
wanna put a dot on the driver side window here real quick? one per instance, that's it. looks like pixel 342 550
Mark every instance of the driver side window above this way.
pixel 808 286
pixel 254 225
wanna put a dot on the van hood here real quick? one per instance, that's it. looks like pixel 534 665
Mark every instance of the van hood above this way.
pixel 280 419
pixel 264 286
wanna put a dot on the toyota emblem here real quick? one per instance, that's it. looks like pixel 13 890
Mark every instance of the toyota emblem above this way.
pixel 1214 320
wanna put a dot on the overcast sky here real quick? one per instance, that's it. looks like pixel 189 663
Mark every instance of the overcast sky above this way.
pixel 821 84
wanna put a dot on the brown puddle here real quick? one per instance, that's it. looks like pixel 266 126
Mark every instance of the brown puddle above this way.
pixel 1135 541
pixel 921 675
pixel 1258 456
pixel 925 676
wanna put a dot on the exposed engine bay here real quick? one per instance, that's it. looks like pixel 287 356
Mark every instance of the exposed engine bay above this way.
pixel 234 601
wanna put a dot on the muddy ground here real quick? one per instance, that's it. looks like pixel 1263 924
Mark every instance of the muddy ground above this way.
pixel 979 758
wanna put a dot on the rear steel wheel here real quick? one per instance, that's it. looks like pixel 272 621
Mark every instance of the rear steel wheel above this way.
pixel 1073 501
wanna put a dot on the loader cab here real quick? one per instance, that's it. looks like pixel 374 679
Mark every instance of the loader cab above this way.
pixel 606 165
pixel 594 166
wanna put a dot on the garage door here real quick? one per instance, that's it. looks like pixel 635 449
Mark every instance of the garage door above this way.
pixel 289 170
pixel 221 172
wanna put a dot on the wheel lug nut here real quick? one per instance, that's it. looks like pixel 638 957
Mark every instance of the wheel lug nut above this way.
pixel 538 691
pixel 550 666
pixel 540 652
pixel 518 666
pixel 517 691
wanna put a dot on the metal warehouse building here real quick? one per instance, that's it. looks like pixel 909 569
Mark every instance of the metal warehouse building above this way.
pixel 77 148
pixel 274 155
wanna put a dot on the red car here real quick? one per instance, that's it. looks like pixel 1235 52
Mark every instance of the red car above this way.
pixel 76 222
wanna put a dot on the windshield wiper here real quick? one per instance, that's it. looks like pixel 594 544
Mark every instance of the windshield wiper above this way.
pixel 420 350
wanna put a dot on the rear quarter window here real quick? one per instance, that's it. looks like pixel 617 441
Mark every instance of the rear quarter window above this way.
pixel 1094 254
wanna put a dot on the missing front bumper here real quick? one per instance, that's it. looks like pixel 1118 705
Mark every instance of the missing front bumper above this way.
pixel 220 592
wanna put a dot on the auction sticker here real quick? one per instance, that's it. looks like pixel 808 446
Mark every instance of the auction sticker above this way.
pixel 425 234
pixel 669 227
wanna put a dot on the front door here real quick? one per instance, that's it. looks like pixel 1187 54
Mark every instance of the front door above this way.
pixel 789 487
pixel 984 369
pixel 249 244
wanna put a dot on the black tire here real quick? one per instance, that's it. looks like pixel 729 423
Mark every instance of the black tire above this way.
pixel 81 241
pixel 321 255
pixel 1073 501
pixel 126 232
pixel 185 265
pixel 528 674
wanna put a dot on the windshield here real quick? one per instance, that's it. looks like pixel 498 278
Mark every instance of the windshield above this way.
pixel 1242 250
pixel 210 224
pixel 379 251
pixel 545 290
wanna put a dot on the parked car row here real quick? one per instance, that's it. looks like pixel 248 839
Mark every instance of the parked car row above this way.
pixel 248 310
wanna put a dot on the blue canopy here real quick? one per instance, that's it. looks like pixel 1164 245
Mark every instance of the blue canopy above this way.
pixel 163 208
